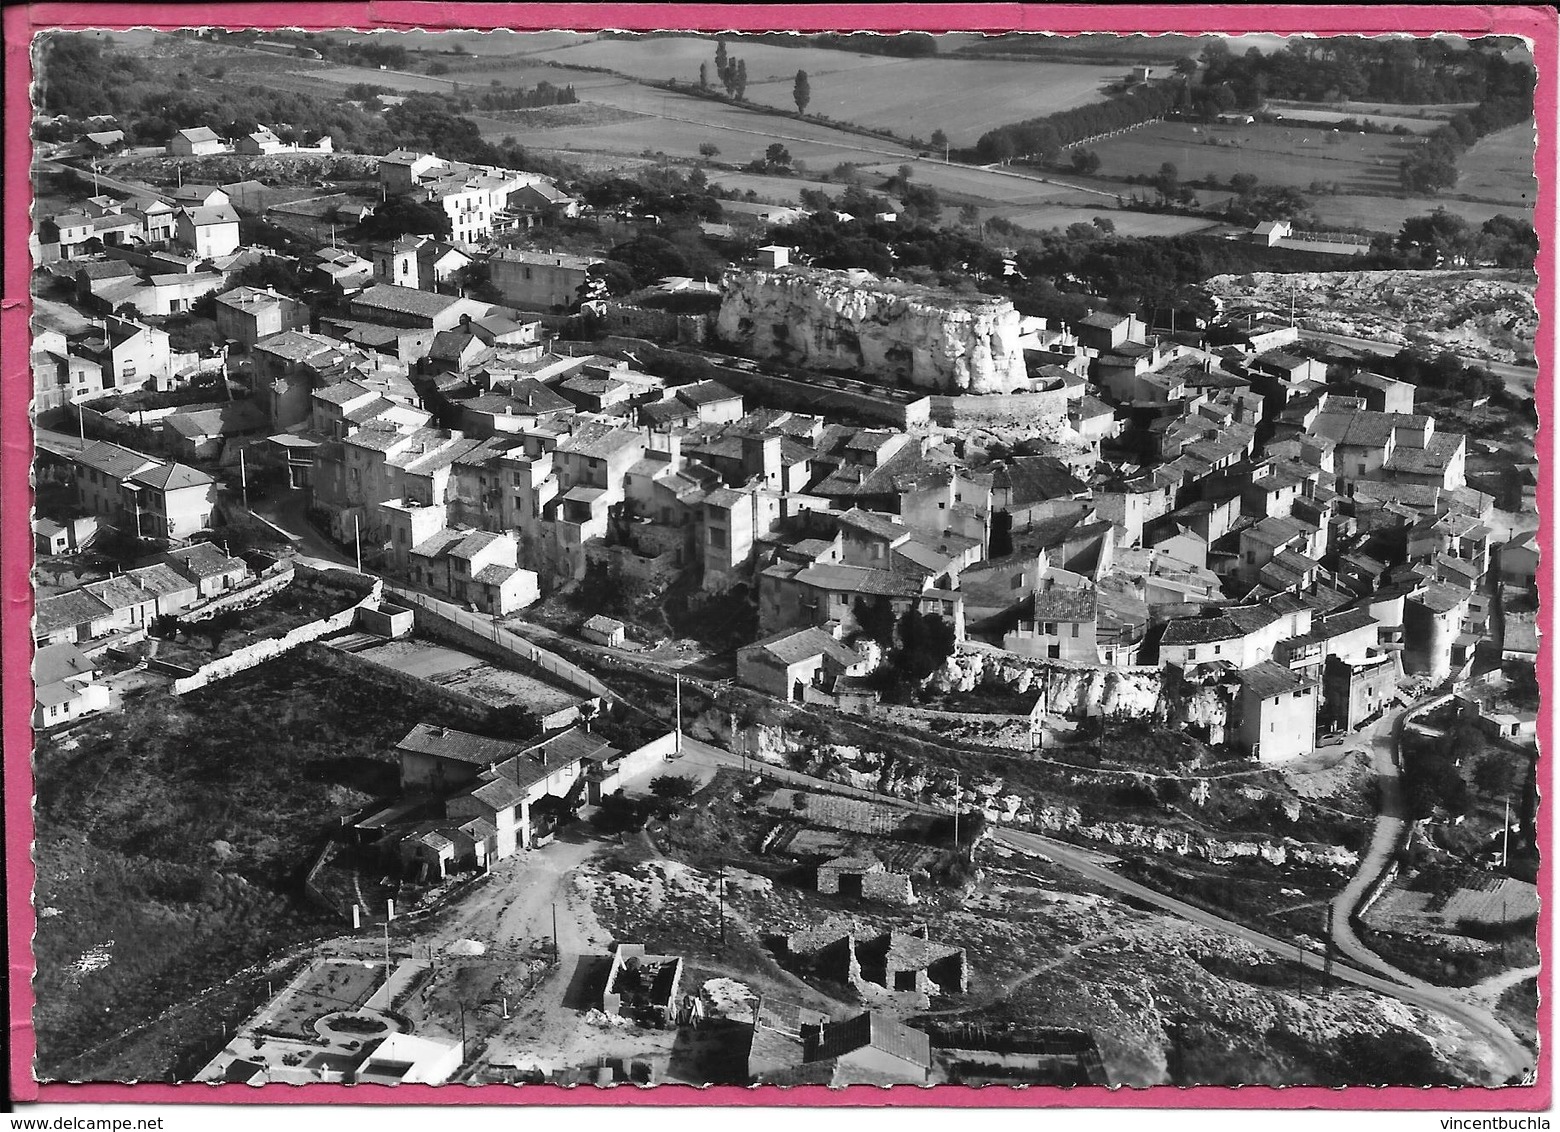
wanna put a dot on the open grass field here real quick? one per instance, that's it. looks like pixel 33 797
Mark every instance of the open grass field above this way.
pixel 498 42
pixel 684 123
pixel 1499 167
pixel 1327 115
pixel 912 97
pixel 776 190
pixel 1386 214
pixel 1127 223
pixel 1276 155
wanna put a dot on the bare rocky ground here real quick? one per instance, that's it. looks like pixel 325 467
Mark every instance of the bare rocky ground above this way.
pixel 1168 1002
pixel 1488 315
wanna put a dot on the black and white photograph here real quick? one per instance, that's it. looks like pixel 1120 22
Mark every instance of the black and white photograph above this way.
pixel 749 559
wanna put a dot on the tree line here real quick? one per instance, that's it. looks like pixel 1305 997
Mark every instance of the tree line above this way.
pixel 1044 137
pixel 1403 70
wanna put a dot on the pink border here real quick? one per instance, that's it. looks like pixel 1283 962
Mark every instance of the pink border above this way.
pixel 1537 23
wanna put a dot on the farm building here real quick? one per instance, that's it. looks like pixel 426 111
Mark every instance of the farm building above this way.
pixel 604 630
pixel 194 142
pixel 869 1049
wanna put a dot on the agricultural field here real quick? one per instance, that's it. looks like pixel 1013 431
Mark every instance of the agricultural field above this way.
pixel 1500 166
pixel 686 122
pixel 1386 214
pixel 1328 116
pixel 777 190
pixel 1275 155
pixel 912 97
pixel 499 42
pixel 1363 166
pixel 1126 223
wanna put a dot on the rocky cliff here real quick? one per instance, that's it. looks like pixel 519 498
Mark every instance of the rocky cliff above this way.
pixel 1081 691
pixel 888 329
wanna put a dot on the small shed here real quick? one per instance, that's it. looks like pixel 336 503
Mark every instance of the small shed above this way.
pixel 604 631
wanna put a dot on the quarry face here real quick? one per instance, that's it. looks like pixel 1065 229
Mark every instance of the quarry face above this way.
pixel 853 321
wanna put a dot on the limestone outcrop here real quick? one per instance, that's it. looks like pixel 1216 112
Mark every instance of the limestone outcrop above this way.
pixel 881 328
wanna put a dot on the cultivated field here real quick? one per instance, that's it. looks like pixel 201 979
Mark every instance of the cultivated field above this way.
pixel 1500 167
pixel 912 97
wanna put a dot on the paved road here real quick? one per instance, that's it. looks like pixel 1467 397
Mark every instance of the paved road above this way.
pixel 1391 822
pixel 128 188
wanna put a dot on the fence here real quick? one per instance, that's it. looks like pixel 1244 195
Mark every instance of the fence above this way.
pixel 507 640
pixel 240 598
pixel 258 653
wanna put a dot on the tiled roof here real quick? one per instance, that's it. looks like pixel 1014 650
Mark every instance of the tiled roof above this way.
pixel 203 560
pixel 1267 680
pixel 457 746
pixel 404 300
pixel 1062 604
pixel 119 593
pixel 860 579
pixel 54 663
pixel 159 579
pixel 112 460
pixel 172 477
pixel 793 646
pixel 67 610
pixel 870 1029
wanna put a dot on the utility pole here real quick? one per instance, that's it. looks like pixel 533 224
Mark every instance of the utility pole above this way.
pixel 956 800
pixel 1505 841
pixel 243 478
pixel 1327 960
pixel 722 883
pixel 389 915
pixel 555 931
pixel 678 747
pixel 357 536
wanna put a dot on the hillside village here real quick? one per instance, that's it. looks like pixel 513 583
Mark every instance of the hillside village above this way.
pixel 774 573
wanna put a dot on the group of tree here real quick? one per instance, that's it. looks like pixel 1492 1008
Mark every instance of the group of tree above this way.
pixel 1252 205
pixel 1377 70
pixel 1044 137
pixel 731 72
pixel 914 644
pixel 544 93
pixel 1440 373
pixel 80 79
pixel 1444 239
pixel 1433 778
pixel 1432 166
